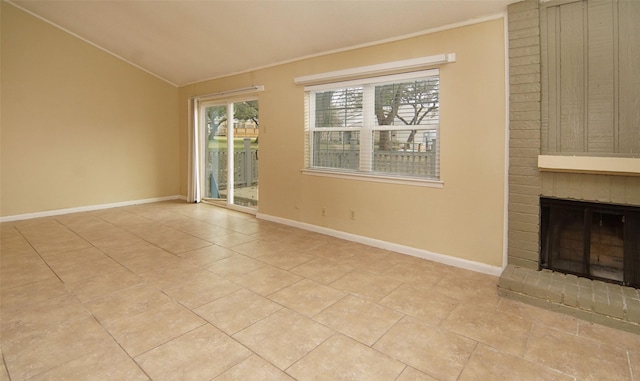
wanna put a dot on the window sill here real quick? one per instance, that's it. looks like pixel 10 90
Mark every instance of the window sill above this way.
pixel 620 166
pixel 360 176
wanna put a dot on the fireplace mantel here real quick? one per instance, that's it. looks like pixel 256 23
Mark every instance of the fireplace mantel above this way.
pixel 622 166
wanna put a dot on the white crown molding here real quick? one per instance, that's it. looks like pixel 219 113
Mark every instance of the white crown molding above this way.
pixel 425 32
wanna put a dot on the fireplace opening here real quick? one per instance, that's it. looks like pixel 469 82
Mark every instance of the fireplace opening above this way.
pixel 594 240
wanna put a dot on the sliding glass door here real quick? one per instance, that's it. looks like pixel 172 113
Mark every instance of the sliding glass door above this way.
pixel 230 135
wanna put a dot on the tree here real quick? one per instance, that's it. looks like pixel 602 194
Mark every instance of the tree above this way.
pixel 242 111
pixel 246 111
pixel 387 104
pixel 408 103
pixel 215 117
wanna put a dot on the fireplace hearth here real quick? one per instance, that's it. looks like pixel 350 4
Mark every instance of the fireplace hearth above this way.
pixel 594 240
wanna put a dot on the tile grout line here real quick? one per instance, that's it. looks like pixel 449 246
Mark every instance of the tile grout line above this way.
pixel 630 367
pixel 579 331
pixel 475 348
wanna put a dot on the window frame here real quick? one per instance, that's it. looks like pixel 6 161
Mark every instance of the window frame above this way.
pixel 369 127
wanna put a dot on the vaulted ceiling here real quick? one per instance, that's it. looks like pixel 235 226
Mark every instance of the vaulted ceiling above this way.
pixel 185 41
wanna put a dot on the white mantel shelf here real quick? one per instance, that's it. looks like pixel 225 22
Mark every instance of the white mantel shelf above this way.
pixel 621 166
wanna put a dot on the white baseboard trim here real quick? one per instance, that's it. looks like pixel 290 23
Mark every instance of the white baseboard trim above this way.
pixel 424 254
pixel 89 208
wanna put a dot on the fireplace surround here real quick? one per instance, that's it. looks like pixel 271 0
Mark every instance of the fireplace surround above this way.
pixel 578 176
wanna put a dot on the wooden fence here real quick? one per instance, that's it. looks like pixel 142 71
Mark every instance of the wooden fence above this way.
pixel 245 165
pixel 245 168
pixel 396 162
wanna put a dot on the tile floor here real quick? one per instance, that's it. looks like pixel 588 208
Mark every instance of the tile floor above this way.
pixel 176 291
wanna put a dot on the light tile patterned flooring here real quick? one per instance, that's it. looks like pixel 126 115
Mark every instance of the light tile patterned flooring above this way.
pixel 176 291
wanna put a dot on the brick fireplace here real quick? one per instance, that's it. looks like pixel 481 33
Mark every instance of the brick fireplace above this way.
pixel 552 269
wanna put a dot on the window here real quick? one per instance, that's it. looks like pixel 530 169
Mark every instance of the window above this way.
pixel 385 127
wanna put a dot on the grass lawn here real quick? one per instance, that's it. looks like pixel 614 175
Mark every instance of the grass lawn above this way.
pixel 220 142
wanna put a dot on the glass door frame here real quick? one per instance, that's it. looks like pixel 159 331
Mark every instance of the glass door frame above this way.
pixel 202 130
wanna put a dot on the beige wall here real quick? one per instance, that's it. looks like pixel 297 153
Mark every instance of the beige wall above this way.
pixel 79 126
pixel 465 219
pixel 82 128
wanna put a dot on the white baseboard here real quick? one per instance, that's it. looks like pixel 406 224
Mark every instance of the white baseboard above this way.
pixel 89 208
pixel 424 254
